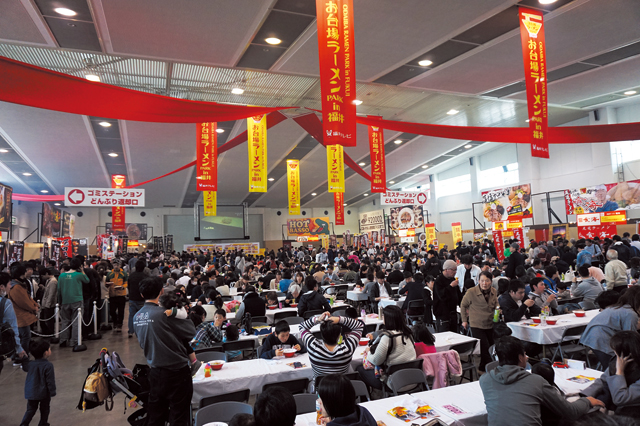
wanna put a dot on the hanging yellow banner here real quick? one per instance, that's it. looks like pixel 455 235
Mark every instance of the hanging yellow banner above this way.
pixel 210 200
pixel 293 186
pixel 456 230
pixel 335 168
pixel 257 140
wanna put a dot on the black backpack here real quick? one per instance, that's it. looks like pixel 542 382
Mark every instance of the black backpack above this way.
pixel 7 336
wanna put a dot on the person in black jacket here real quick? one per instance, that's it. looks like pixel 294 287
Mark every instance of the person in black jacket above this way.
pixel 312 300
pixel 432 264
pixel 511 310
pixel 252 304
pixel 516 259
pixel 282 338
pixel 414 290
pixel 427 292
pixel 395 276
pixel 379 290
pixel 446 298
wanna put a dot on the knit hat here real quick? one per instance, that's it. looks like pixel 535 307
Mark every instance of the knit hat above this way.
pixel 450 264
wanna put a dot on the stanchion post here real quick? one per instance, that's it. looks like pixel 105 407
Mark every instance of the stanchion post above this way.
pixel 56 319
pixel 94 318
pixel 79 347
pixel 105 325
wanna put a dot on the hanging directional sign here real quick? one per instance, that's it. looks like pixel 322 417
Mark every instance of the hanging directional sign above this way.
pixel 103 197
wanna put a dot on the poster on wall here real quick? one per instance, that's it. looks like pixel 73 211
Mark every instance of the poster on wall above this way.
pixel 6 193
pixel 513 202
pixel 16 252
pixel 134 231
pixel 51 221
pixel 559 232
pixel 406 217
pixel 372 221
pixel 66 222
pixel 603 198
pixel 308 226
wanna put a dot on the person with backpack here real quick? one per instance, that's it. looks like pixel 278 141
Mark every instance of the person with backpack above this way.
pixel 393 346
pixel 9 335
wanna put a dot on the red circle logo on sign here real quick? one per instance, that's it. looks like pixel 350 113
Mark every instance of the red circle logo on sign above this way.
pixel 76 196
pixel 422 198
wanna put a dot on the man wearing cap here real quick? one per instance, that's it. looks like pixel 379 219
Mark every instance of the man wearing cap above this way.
pixel 516 259
pixel 446 297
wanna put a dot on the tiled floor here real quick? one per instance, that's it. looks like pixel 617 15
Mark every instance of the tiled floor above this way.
pixel 70 370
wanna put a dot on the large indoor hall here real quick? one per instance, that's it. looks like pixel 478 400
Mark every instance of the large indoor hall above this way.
pixel 319 212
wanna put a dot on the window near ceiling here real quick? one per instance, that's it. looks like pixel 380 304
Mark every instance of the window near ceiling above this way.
pixel 456 185
pixel 625 152
pixel 498 177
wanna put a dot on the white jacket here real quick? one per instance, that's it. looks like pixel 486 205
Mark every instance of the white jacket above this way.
pixel 460 273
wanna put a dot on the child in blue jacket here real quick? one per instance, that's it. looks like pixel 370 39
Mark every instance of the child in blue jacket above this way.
pixel 40 385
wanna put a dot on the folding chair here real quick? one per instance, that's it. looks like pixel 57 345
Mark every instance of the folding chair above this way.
pixel 221 412
pixel 294 320
pixel 415 364
pixel 569 344
pixel 361 391
pixel 417 309
pixel 305 403
pixel 241 345
pixel 466 350
pixel 262 319
pixel 216 347
pixel 407 380
pixel 238 396
pixel 491 366
pixel 295 386
pixel 311 313
pixel 211 356
pixel 282 315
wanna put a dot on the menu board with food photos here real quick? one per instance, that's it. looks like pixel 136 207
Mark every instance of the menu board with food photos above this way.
pixel 16 252
pixel 603 198
pixel 5 207
pixel 513 202
pixel 51 222
pixel 133 231
pixel 406 217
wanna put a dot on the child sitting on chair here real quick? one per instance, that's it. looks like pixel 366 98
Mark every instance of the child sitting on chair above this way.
pixel 232 335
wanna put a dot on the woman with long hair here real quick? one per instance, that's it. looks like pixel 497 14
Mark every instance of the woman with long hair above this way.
pixel 619 385
pixel 396 335
pixel 620 316
pixel 338 403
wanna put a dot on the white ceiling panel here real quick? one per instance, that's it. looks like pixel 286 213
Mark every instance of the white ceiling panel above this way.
pixel 401 30
pixel 17 25
pixel 57 144
pixel 199 31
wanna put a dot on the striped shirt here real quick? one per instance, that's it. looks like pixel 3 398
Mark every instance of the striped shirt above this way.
pixel 324 361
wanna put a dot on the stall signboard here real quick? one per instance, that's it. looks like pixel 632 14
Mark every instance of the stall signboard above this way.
pixel 16 252
pixel 168 243
pixel 134 231
pixel 618 217
pixel 372 221
pixel 506 225
pixel 603 198
pixel 507 203
pixel 6 193
pixel 103 197
pixel 55 252
pixel 308 226
pixel 247 248
pixel 600 231
pixel 588 219
pixel 51 222
pixel 406 217
pixel 397 198
pixel 346 238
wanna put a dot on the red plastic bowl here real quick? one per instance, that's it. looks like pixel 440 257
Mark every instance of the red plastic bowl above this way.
pixel 364 342
pixel 216 365
pixel 289 353
pixel 580 313
pixel 552 321
pixel 273 307
pixel 294 305
pixel 536 320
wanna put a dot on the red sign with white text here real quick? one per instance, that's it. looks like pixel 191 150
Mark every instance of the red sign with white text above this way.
pixel 498 243
pixel 535 75
pixel 601 231
pixel 338 203
pixel 337 71
pixel 207 157
pixel 378 168
pixel 117 213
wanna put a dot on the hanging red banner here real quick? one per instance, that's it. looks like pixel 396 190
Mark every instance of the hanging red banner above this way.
pixel 117 213
pixel 378 168
pixel 535 75
pixel 338 205
pixel 337 71
pixel 498 243
pixel 207 157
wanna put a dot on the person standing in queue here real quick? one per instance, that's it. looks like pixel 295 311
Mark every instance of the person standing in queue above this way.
pixel 446 297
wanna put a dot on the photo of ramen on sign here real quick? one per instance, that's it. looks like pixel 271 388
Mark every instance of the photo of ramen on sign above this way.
pixel 507 203
pixel 406 217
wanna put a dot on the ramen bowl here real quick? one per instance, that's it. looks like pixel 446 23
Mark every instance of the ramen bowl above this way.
pixel 551 321
pixel 289 353
pixel 536 320
pixel 216 365
pixel 580 314
pixel 273 307
pixel 364 341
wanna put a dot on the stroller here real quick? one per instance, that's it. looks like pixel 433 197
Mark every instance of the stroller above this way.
pixel 134 384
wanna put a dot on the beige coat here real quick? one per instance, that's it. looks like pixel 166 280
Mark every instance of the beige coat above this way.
pixel 475 310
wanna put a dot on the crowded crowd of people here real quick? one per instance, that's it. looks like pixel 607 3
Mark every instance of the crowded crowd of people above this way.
pixel 462 290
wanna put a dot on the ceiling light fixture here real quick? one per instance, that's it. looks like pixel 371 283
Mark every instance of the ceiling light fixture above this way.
pixel 26 174
pixel 365 194
pixel 112 154
pixel 345 204
pixel 357 102
pixel 468 146
pixel 452 112
pixel 4 151
pixel 425 166
pixel 630 92
pixel 271 179
pixel 392 182
pixel 64 11
pixel 273 40
pixel 56 204
pixel 361 164
pixel 314 194
pixel 220 130
pixel 92 77
pixel 105 124
pixel 526 121
pixel 425 63
pixel 547 1
pixel 397 141
pixel 44 191
pixel 237 91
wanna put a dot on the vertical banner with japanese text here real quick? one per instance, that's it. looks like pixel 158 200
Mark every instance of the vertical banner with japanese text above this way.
pixel 456 230
pixel 335 168
pixel 378 168
pixel 337 70
pixel 430 230
pixel 118 213
pixel 207 157
pixel 535 74
pixel 210 200
pixel 293 186
pixel 498 243
pixel 338 203
pixel 257 140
